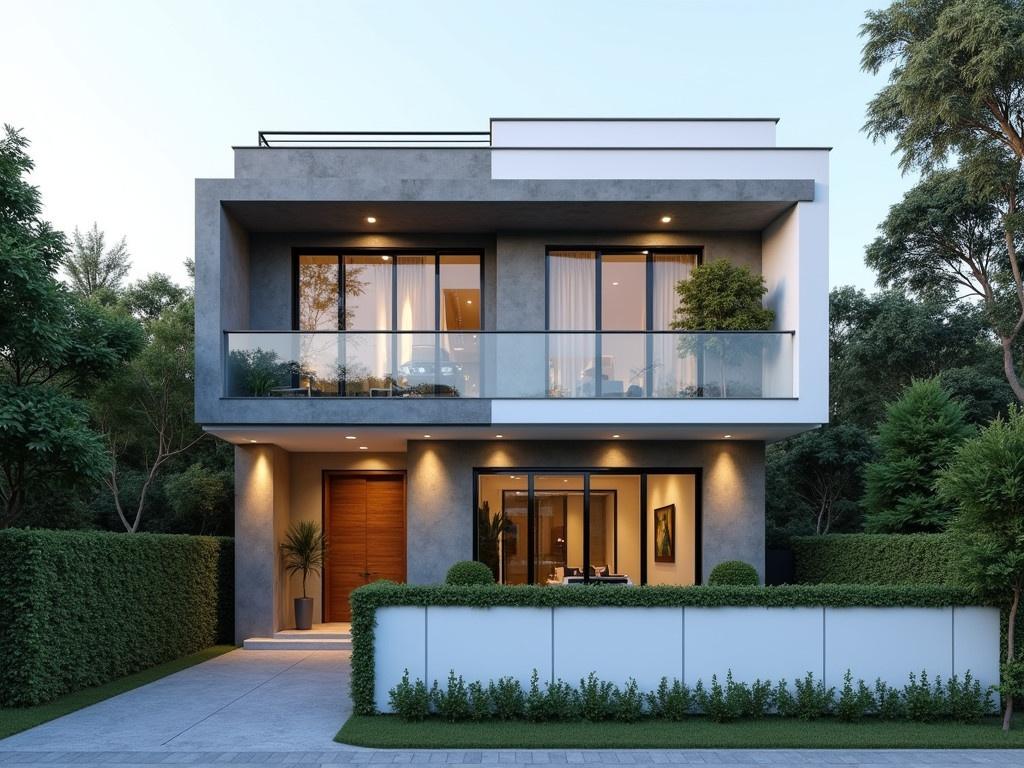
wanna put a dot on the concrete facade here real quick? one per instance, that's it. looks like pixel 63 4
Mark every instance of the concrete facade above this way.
pixel 725 187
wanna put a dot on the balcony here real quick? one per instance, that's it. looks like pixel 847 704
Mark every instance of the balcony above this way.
pixel 498 364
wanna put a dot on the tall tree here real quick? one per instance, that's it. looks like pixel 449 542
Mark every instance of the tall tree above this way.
pixel 94 269
pixel 53 347
pixel 956 90
pixel 920 432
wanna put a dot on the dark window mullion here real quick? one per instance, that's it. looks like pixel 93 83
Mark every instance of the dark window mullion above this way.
pixel 586 527
pixel 531 524
pixel 598 359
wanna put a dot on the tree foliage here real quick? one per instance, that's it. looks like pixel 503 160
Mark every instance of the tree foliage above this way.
pixel 53 348
pixel 921 431
pixel 720 296
pixel 985 484
pixel 95 270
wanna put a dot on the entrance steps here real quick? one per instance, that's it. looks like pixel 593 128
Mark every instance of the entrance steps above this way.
pixel 322 637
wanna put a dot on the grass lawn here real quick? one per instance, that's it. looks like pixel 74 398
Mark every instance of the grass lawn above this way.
pixel 389 731
pixel 21 718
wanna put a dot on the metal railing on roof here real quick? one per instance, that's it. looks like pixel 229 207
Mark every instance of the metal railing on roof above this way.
pixel 272 139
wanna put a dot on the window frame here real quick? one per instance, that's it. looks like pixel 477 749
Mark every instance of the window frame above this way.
pixel 395 253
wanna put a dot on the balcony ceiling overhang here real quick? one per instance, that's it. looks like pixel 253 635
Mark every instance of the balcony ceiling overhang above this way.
pixel 503 216
pixel 394 439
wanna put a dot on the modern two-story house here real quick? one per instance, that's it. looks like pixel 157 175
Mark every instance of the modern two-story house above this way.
pixel 445 347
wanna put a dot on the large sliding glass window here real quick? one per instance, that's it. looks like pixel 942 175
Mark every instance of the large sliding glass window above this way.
pixel 601 304
pixel 408 319
pixel 588 526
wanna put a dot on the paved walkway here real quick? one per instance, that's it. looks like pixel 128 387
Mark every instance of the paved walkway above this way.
pixel 255 707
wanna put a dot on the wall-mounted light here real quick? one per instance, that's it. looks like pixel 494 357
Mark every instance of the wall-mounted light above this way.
pixel 666 219
pixel 371 219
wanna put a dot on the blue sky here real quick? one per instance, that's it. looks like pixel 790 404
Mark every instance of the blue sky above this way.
pixel 127 102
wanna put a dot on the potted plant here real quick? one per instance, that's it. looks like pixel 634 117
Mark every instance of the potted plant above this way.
pixel 489 530
pixel 304 548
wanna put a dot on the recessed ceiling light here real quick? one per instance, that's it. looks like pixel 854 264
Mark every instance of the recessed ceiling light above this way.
pixel 385 257
pixel 350 437
pixel 616 282
pixel 426 435
pixel 666 219
pixel 363 448
pixel 726 436
pixel 469 301
pixel 499 436
pixel 371 219
pixel 645 252
pixel 616 436
pixel 252 441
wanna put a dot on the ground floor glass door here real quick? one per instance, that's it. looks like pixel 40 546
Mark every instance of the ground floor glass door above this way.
pixel 592 526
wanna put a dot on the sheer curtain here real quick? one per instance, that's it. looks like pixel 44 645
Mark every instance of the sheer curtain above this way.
pixel 572 306
pixel 675 367
pixel 415 275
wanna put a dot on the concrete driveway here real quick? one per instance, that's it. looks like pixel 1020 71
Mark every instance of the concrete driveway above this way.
pixel 282 709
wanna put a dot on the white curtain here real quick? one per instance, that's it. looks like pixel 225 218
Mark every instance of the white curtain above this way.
pixel 673 371
pixel 415 275
pixel 572 294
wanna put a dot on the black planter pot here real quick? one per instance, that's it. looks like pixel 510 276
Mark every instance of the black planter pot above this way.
pixel 303 612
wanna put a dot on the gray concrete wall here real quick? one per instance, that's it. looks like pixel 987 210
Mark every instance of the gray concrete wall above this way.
pixel 261 517
pixel 440 492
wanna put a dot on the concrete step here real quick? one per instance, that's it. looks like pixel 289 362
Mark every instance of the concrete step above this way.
pixel 306 643
pixel 314 634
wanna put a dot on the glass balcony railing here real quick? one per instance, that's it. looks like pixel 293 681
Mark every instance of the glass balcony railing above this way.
pixel 498 364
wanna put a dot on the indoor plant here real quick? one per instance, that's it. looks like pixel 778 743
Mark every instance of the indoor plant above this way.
pixel 304 548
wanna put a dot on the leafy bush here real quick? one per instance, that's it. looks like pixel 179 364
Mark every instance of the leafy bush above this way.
pixel 81 608
pixel 597 698
pixel 670 702
pixel 469 572
pixel 888 701
pixel 629 702
pixel 854 701
pixel 922 701
pixel 734 573
pixel 409 700
pixel 507 698
pixel 874 558
pixel 480 707
pixel 452 703
pixel 812 699
pixel 965 701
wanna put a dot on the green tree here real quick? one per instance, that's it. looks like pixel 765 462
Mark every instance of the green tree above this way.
pixel 53 348
pixel 920 432
pixel 720 296
pixel 147 298
pixel 146 411
pixel 985 483
pixel 200 498
pixel 95 270
pixel 879 343
pixel 815 481
pixel 955 92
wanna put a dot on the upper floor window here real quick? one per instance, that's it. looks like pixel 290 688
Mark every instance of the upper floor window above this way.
pixel 616 289
pixel 388 291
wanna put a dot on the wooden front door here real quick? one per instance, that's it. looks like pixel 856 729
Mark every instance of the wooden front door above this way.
pixel 365 527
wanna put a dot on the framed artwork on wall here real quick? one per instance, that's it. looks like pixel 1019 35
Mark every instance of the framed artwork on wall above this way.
pixel 665 534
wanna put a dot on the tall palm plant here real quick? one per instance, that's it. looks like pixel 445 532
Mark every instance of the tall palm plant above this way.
pixel 304 549
pixel 489 530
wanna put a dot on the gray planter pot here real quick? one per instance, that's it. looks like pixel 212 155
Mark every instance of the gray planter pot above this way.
pixel 303 612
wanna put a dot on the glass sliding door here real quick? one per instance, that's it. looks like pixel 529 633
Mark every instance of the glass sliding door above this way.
pixel 588 526
pixel 572 307
pixel 623 308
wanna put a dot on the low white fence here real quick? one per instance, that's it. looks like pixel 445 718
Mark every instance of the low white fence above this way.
pixel 685 643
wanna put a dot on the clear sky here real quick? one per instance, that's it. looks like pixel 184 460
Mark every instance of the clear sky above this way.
pixel 127 102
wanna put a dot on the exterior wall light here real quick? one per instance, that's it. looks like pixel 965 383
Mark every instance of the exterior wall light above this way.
pixel 666 219
pixel 371 219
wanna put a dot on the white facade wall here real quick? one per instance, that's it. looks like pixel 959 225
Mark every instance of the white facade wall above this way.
pixel 686 643
pixel 633 133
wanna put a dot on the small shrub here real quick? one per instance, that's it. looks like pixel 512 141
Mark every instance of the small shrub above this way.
pixel 451 704
pixel 785 704
pixel 629 702
pixel 469 572
pixel 409 700
pixel 561 701
pixel 714 702
pixel 760 698
pixel 965 700
pixel 854 701
pixel 507 698
pixel 733 573
pixel 670 702
pixel 479 702
pixel 924 702
pixel 813 699
pixel 597 698
pixel 534 704
pixel 888 701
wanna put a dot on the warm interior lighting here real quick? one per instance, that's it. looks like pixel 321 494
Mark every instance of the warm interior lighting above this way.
pixel 427 436
pixel 726 436
pixel 252 441
pixel 371 219
pixel 385 257
pixel 363 448
pixel 666 219
pixel 616 282
pixel 499 436
pixel 616 436
pixel 469 301
pixel 350 437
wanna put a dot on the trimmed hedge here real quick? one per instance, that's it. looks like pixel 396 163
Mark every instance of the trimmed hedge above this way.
pixel 874 558
pixel 466 572
pixel 80 608
pixel 735 573
pixel 366 600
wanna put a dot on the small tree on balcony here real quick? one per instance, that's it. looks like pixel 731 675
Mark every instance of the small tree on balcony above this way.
pixel 720 296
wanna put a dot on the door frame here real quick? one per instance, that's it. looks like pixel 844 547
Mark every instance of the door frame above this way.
pixel 325 521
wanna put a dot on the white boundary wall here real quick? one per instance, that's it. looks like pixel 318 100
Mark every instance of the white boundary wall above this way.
pixel 686 643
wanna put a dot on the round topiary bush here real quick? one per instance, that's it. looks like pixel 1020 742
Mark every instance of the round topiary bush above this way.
pixel 469 572
pixel 733 573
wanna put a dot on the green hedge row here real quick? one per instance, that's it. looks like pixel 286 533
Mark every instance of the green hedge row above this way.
pixel 80 608
pixel 366 600
pixel 873 558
